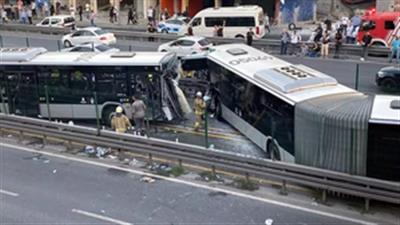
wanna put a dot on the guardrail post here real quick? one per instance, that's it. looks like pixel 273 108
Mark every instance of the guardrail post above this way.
pixel 46 91
pixel 59 45
pixel 366 205
pixel 357 75
pixel 247 175
pixel 1 41
pixel 180 163
pixel 213 171
pixel 130 48
pixel 150 159
pixel 97 113
pixel 283 188
pixel 27 42
pixel 68 145
pixel 44 140
pixel 20 136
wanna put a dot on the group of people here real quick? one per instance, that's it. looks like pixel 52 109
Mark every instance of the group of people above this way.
pixel 121 123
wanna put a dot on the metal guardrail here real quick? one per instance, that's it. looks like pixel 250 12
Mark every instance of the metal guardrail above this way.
pixel 325 180
pixel 264 44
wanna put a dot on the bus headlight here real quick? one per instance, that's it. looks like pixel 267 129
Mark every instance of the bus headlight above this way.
pixel 381 74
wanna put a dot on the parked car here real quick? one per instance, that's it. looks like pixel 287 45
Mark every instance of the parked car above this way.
pixel 172 26
pixel 60 21
pixel 186 45
pixel 388 78
pixel 88 34
pixel 91 47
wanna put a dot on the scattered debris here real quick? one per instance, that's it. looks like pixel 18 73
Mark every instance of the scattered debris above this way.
pixel 210 176
pixel 133 162
pixel 46 161
pixel 269 221
pixel 103 211
pixel 54 171
pixel 147 179
pixel 112 157
pixel 161 169
pixel 314 203
pixel 99 152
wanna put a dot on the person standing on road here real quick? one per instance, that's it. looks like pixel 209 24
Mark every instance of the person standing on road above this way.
pixel 151 30
pixel 80 12
pixel 120 123
pixel 130 16
pixel 29 14
pixel 365 43
pixel 72 11
pixel 150 14
pixel 199 110
pixel 338 43
pixel 325 44
pixel 285 39
pixel 138 114
pixel 249 37
pixel 295 40
pixel 23 16
pixel 111 14
pixel 92 18
pixel 3 15
pixel 52 10
pixel 395 50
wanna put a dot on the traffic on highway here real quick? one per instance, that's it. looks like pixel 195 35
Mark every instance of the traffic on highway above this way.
pixel 207 86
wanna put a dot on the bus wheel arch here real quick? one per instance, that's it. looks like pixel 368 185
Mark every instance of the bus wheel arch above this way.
pixel 239 36
pixel 272 150
pixel 107 113
pixel 67 44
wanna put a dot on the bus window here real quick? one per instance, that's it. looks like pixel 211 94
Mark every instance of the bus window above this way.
pixel 389 25
pixel 212 21
pixel 368 25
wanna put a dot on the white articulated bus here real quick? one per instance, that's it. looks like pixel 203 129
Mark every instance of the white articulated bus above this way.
pixel 297 114
pixel 236 21
pixel 72 78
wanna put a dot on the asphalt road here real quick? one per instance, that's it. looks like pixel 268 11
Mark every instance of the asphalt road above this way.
pixel 343 70
pixel 51 190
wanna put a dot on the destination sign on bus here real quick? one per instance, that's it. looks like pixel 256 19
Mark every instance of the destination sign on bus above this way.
pixel 249 59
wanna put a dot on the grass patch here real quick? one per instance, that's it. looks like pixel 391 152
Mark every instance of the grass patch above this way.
pixel 177 171
pixel 245 184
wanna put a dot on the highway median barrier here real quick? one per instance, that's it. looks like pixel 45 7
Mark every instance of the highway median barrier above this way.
pixel 270 45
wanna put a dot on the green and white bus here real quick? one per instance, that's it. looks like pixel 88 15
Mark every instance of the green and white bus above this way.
pixel 70 80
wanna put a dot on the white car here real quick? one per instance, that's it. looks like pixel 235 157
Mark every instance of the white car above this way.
pixel 88 35
pixel 186 45
pixel 57 21
pixel 91 47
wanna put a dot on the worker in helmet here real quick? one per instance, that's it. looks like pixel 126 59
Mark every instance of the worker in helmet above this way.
pixel 120 123
pixel 199 110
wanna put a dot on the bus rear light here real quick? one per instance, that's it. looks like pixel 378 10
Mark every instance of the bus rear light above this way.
pixel 258 30
pixel 103 38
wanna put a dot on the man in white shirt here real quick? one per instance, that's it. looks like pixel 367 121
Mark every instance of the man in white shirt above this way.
pixel 150 14
pixel 295 40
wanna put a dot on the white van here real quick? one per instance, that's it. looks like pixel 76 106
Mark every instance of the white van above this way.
pixel 59 21
pixel 237 21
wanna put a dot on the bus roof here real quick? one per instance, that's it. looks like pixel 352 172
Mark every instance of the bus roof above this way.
pixel 382 15
pixel 40 56
pixel 386 109
pixel 236 10
pixel 292 83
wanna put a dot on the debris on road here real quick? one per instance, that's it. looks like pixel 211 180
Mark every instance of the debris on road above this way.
pixel 54 171
pixel 147 179
pixel 269 221
pixel 99 152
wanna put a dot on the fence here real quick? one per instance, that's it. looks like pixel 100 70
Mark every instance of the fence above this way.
pixel 367 188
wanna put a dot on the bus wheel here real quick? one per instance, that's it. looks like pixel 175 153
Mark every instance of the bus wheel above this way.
pixel 389 84
pixel 107 114
pixel 273 151
pixel 239 36
pixel 67 44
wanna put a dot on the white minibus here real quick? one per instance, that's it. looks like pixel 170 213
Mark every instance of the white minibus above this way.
pixel 236 21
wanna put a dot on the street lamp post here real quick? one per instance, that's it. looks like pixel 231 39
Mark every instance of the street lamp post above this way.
pixel 206 99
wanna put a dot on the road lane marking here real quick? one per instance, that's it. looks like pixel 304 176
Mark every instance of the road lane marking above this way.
pixel 203 186
pixel 100 217
pixel 2 191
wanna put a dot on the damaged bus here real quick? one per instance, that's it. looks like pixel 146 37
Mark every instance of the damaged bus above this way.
pixel 38 83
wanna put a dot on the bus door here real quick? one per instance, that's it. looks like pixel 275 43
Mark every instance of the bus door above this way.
pixel 22 93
